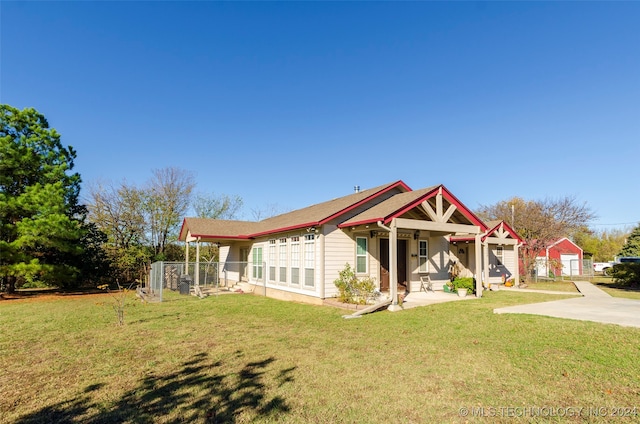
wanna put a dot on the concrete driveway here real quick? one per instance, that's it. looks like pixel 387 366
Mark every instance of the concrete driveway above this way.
pixel 595 305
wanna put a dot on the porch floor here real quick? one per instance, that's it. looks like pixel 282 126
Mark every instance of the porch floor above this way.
pixel 415 299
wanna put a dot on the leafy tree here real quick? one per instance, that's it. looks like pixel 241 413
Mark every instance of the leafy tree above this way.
pixel 40 219
pixel 632 245
pixel 539 222
pixel 166 200
pixel 116 211
pixel 602 245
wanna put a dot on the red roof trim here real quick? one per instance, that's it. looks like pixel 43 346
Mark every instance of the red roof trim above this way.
pixel 366 221
pixel 455 239
pixel 397 184
pixel 510 231
pixel 184 222
pixel 466 211
pixel 211 236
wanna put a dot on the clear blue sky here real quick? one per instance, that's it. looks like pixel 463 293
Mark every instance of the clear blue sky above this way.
pixel 293 103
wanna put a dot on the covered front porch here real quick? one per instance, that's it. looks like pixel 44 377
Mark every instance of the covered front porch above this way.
pixel 411 241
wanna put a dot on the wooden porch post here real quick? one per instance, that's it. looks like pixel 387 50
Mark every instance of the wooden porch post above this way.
pixel 393 266
pixel 516 268
pixel 196 272
pixel 485 262
pixel 478 254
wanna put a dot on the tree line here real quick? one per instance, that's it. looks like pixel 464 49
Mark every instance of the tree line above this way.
pixel 51 236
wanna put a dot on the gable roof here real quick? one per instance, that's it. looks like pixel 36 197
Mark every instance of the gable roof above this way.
pixel 400 204
pixel 310 216
pixel 491 228
pixel 560 240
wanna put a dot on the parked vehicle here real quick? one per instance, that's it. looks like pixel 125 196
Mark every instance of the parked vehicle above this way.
pixel 603 267
pixel 627 259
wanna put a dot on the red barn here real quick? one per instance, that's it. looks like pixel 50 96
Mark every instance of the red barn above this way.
pixel 562 257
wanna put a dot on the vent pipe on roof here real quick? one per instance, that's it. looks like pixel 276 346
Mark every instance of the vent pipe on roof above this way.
pixel 356 189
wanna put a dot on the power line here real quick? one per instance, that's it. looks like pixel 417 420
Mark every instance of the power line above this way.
pixel 619 223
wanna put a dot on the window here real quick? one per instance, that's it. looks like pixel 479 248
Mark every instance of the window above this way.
pixel 309 260
pixel 499 255
pixel 423 256
pixel 361 255
pixel 272 260
pixel 295 260
pixel 282 259
pixel 257 263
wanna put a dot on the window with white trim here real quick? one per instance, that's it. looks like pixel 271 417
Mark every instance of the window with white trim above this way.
pixel 499 255
pixel 272 260
pixel 257 263
pixel 423 256
pixel 309 260
pixel 282 259
pixel 361 255
pixel 295 260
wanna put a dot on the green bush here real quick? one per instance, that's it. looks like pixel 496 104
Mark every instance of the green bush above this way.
pixel 626 274
pixel 464 283
pixel 351 289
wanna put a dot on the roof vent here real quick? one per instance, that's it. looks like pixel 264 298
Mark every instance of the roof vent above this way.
pixel 356 189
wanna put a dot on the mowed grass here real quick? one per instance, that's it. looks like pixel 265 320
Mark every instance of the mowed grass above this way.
pixel 564 286
pixel 245 358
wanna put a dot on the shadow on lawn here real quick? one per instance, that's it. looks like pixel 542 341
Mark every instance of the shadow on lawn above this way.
pixel 197 392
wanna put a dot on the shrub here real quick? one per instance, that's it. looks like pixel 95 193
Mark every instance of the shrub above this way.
pixel 626 274
pixel 464 283
pixel 354 290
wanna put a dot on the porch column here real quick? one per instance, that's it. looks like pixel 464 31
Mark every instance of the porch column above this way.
pixel 478 254
pixel 393 266
pixel 186 258
pixel 516 268
pixel 196 272
pixel 485 263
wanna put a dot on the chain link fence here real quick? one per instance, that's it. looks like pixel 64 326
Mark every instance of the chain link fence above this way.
pixel 548 270
pixel 210 277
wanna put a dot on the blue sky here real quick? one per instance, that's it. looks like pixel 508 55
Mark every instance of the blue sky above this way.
pixel 293 103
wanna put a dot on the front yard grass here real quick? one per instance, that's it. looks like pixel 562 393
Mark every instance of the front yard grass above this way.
pixel 244 358
pixel 564 286
pixel 608 285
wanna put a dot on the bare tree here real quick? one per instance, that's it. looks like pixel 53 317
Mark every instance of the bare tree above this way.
pixel 167 199
pixel 267 211
pixel 217 207
pixel 539 222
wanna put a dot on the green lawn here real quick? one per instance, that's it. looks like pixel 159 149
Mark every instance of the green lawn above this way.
pixel 244 358
pixel 564 286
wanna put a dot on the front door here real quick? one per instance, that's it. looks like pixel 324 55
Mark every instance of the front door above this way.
pixel 384 265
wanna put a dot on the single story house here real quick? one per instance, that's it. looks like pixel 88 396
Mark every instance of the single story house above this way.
pixel 391 233
pixel 561 257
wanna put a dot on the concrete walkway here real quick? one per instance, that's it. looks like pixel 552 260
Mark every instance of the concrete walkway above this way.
pixel 595 305
pixel 421 298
